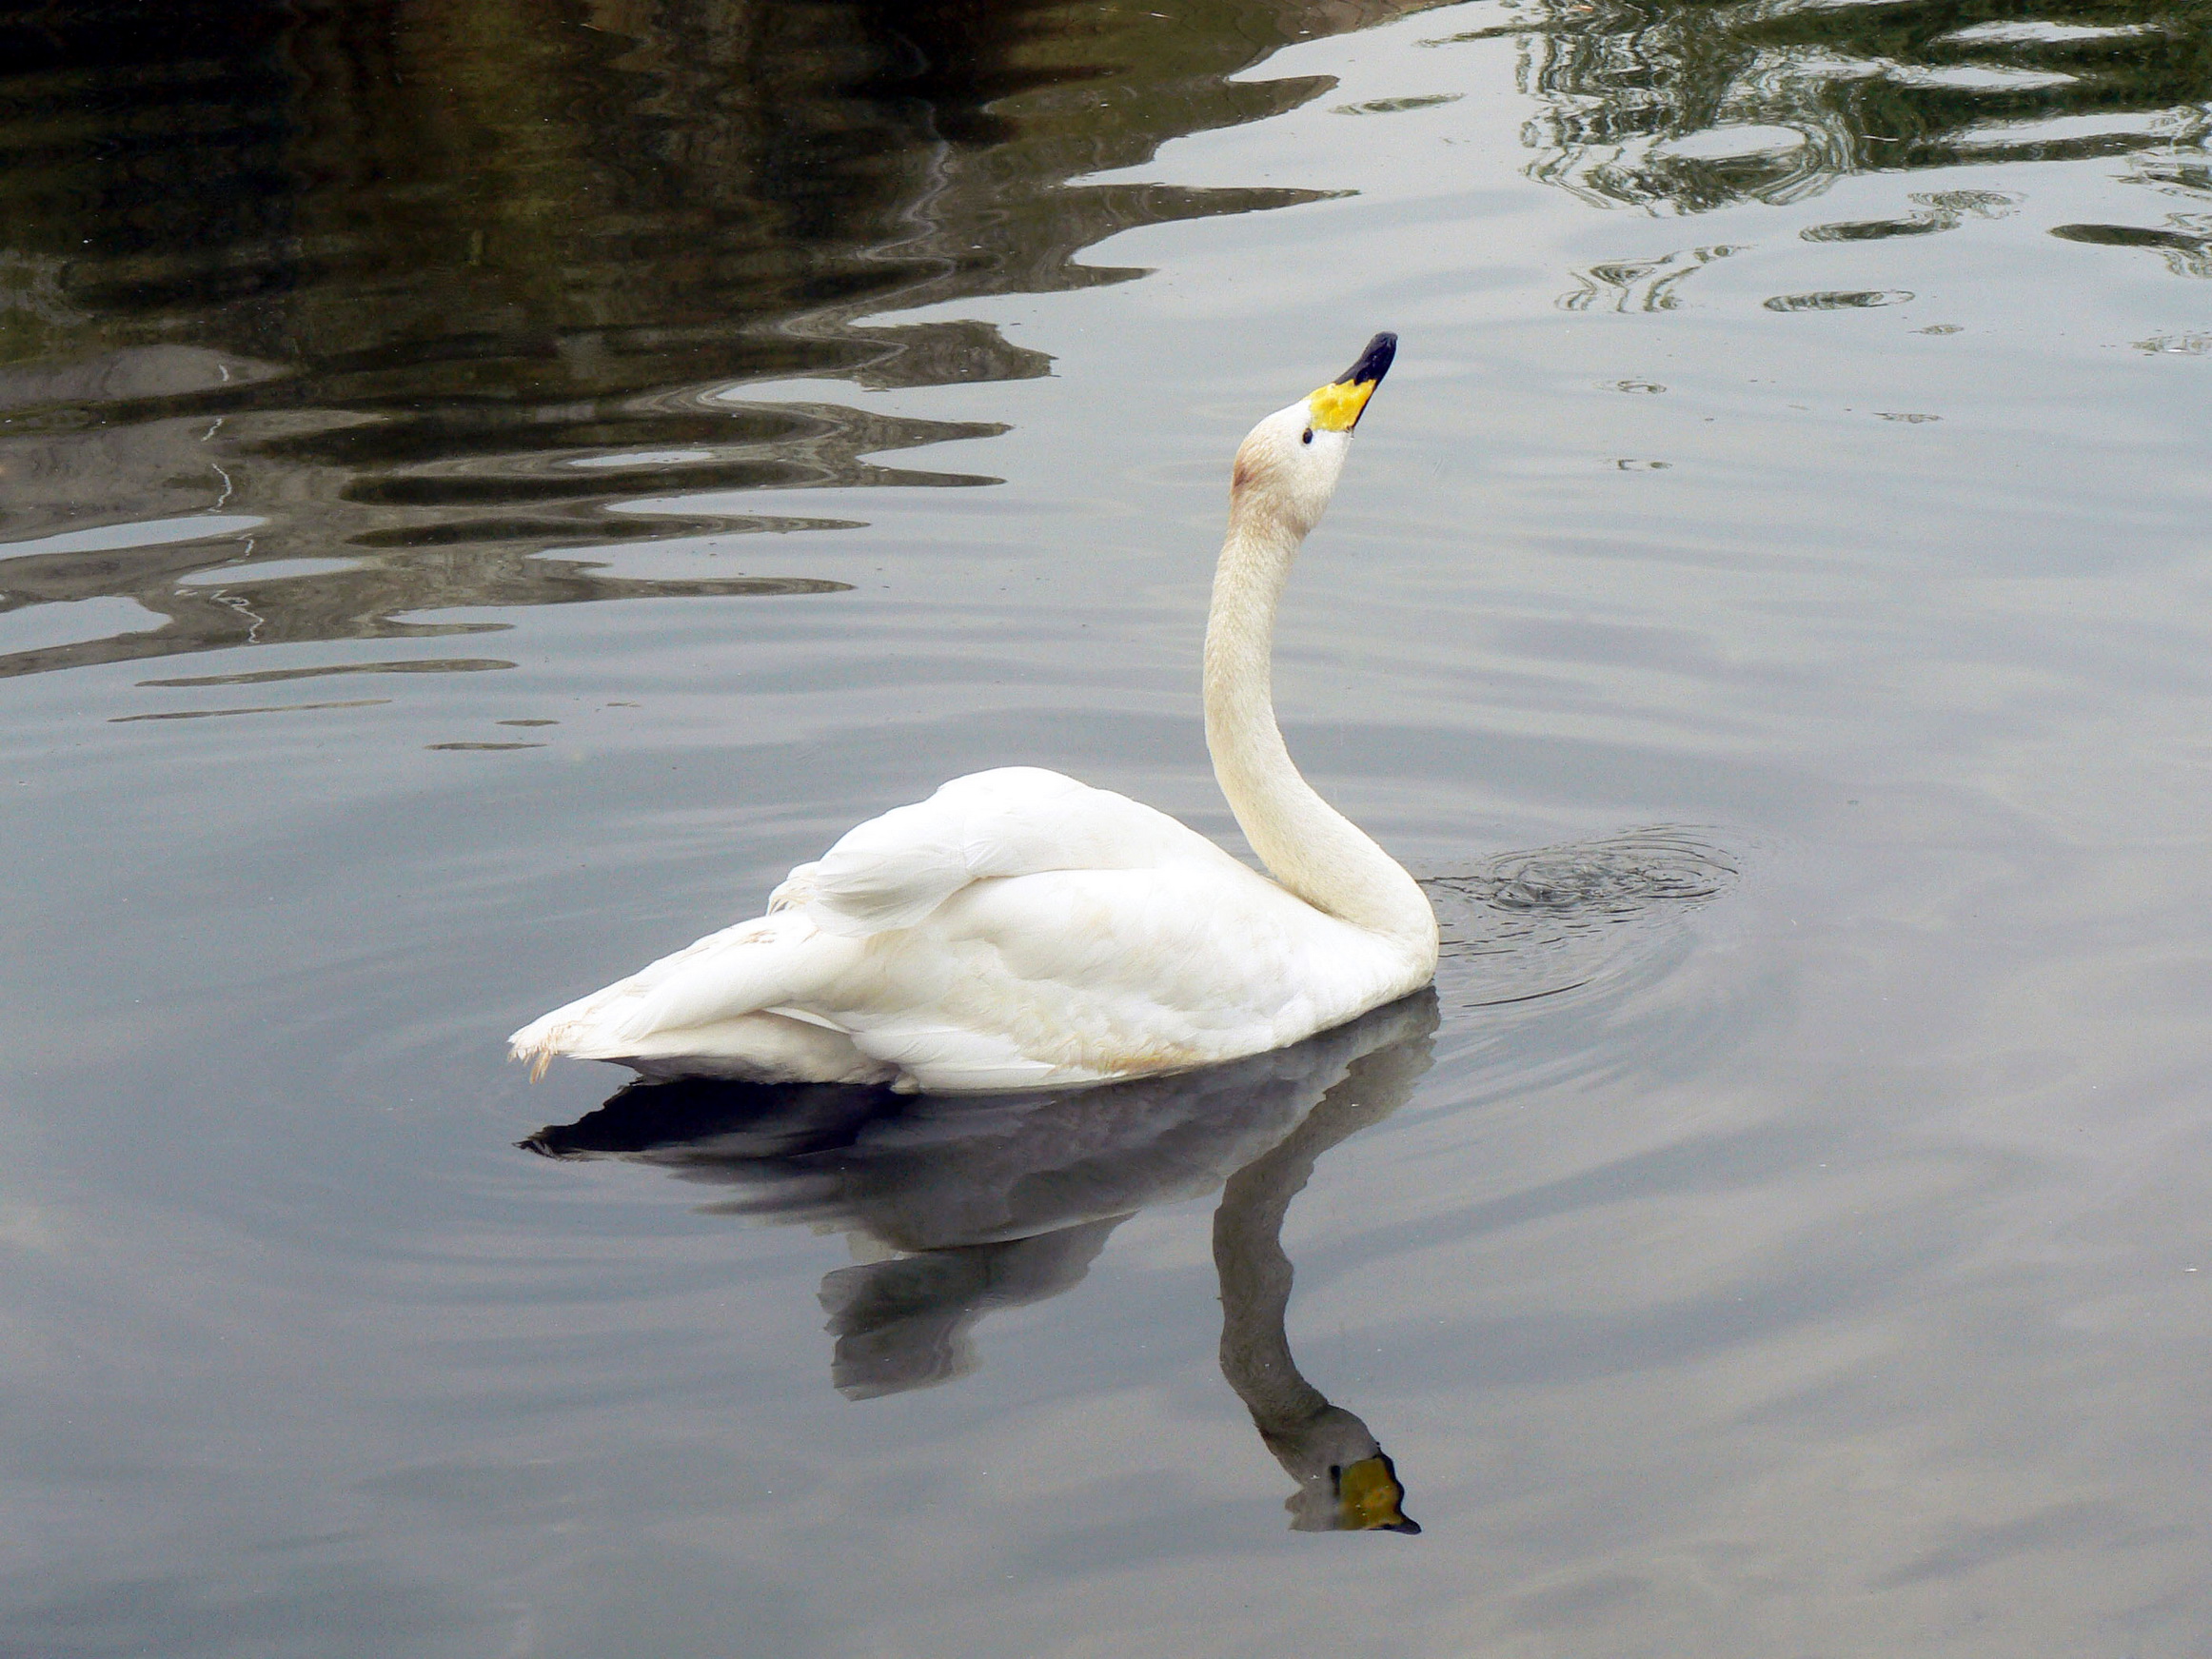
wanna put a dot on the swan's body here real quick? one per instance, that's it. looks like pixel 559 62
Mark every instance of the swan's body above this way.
pixel 1021 930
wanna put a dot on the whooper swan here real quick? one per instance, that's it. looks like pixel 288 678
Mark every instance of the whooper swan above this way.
pixel 1020 930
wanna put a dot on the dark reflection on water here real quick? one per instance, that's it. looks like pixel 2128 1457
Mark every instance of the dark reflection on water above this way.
pixel 399 279
pixel 2186 252
pixel 1692 106
pixel 995 1202
pixel 1839 299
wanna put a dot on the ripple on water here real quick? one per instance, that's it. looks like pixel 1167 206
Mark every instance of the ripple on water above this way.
pixel 2187 252
pixel 1534 924
pixel 1396 106
pixel 1839 299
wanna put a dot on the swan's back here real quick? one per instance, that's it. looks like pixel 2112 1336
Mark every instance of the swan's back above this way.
pixel 893 871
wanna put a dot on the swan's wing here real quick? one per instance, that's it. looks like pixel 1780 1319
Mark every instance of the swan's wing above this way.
pixel 893 871
pixel 1067 975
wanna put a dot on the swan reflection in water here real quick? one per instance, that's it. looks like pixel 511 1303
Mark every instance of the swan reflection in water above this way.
pixel 992 1201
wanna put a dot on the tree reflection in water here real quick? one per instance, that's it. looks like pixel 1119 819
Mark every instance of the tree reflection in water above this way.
pixel 438 286
pixel 1687 105
pixel 995 1201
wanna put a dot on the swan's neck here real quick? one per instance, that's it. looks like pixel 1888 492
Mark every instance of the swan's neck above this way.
pixel 1306 844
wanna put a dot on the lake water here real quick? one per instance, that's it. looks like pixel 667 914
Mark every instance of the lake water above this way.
pixel 485 489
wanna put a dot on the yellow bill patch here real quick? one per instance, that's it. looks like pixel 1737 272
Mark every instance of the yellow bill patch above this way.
pixel 1335 407
pixel 1368 1492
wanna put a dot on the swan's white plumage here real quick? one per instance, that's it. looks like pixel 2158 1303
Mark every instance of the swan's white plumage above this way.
pixel 1017 820
pixel 1014 929
pixel 1020 929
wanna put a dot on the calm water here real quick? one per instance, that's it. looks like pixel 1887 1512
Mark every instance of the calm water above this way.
pixel 486 489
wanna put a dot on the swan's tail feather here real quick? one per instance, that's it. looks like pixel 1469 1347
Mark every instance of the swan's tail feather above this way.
pixel 711 999
pixel 544 1039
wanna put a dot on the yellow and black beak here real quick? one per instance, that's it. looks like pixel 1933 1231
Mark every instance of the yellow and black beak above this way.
pixel 1368 1498
pixel 1336 406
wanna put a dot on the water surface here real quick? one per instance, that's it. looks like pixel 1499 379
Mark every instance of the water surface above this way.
pixel 484 490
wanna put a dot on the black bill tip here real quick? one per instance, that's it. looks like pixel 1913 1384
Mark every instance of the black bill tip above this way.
pixel 1374 362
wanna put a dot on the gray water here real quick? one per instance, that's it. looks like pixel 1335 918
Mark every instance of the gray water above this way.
pixel 484 490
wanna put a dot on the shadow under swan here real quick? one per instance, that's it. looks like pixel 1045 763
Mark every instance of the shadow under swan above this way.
pixel 981 1202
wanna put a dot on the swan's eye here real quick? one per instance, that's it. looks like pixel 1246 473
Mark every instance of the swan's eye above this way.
pixel 1307 437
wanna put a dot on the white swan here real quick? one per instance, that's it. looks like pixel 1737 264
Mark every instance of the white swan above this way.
pixel 1020 930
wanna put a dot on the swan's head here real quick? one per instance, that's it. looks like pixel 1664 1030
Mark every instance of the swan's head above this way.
pixel 1288 465
pixel 1347 1483
pixel 1369 1498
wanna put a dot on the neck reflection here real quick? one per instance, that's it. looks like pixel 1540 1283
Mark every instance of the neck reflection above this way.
pixel 1346 1481
pixel 971 1204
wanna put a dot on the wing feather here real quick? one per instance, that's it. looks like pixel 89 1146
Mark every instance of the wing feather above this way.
pixel 895 869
